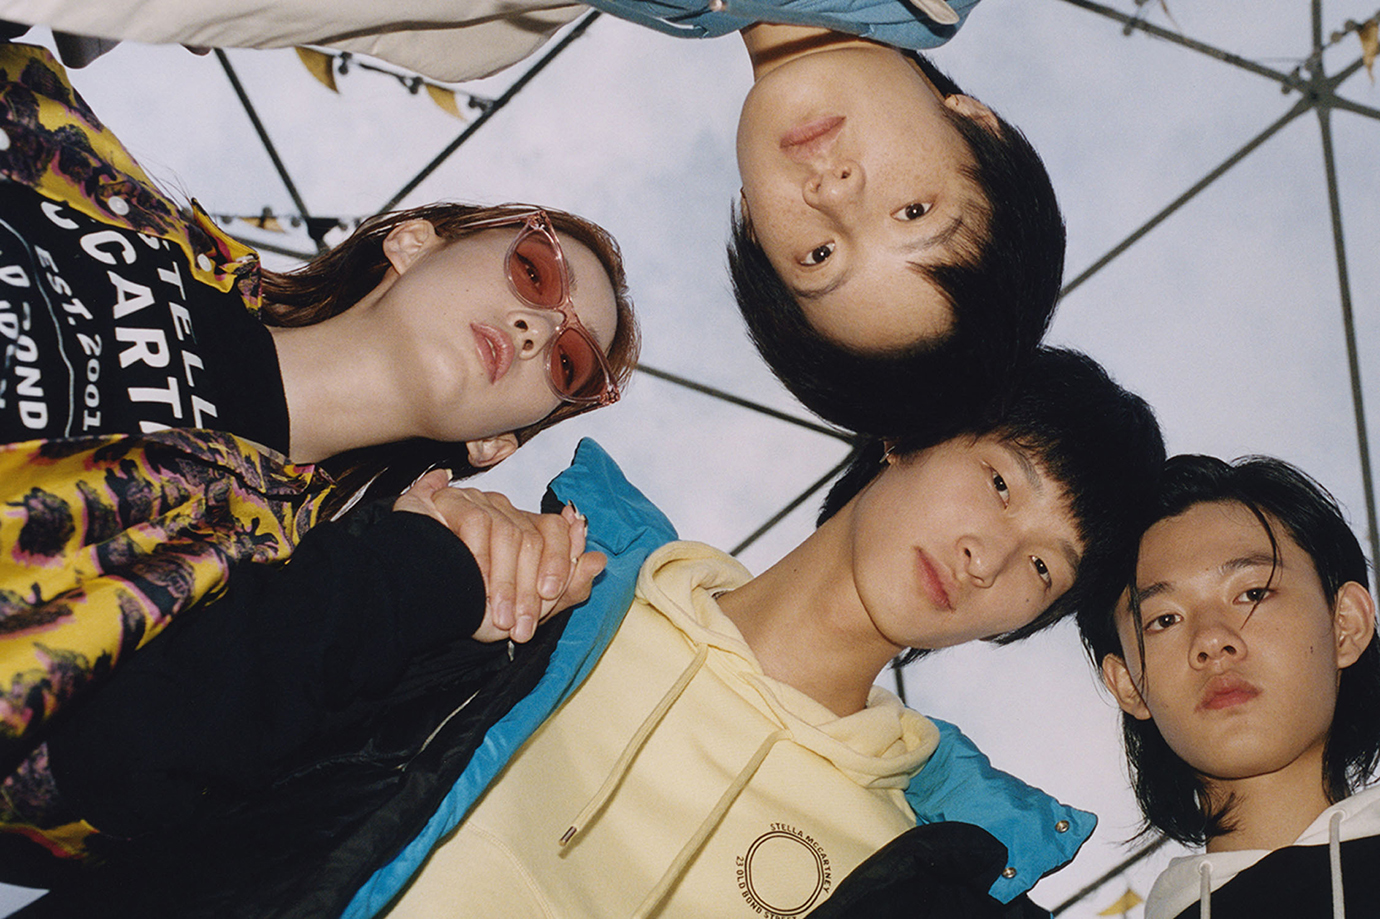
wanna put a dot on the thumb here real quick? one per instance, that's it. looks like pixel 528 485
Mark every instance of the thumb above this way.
pixel 582 577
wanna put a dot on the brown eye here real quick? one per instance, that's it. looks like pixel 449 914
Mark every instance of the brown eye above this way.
pixel 913 211
pixel 573 367
pixel 819 254
pixel 535 272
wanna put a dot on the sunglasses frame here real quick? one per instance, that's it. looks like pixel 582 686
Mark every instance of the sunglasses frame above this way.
pixel 539 222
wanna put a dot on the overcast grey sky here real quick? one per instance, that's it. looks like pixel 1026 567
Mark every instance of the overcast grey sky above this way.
pixel 1226 317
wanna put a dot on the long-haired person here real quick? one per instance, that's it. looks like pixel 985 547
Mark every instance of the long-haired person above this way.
pixel 1243 656
pixel 168 408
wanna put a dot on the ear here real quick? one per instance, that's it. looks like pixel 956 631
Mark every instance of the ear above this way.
pixel 969 107
pixel 1353 622
pixel 407 241
pixel 1117 678
pixel 491 450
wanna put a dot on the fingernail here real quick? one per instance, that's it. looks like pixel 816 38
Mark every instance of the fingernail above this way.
pixel 450 473
pixel 550 587
pixel 572 506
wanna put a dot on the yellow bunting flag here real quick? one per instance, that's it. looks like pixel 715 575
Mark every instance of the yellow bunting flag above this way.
pixel 1123 906
pixel 266 221
pixel 445 99
pixel 319 65
pixel 1370 43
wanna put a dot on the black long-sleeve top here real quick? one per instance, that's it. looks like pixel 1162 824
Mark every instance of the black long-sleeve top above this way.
pixel 230 694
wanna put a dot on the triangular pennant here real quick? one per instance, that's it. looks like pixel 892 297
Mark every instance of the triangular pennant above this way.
pixel 1123 905
pixel 1370 43
pixel 266 221
pixel 445 99
pixel 319 65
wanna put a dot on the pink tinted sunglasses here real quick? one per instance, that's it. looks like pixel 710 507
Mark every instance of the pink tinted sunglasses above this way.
pixel 577 369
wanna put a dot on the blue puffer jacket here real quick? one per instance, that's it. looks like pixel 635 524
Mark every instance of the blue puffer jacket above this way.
pixel 958 784
pixel 891 22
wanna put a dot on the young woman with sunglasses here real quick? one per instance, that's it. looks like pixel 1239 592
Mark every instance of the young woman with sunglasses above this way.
pixel 441 336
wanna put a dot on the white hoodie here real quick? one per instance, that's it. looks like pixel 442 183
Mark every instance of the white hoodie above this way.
pixel 685 781
pixel 1192 879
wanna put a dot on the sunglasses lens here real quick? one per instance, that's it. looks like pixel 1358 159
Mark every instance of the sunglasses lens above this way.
pixel 535 267
pixel 575 368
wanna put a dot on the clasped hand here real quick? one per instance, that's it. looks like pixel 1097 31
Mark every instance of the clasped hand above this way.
pixel 534 565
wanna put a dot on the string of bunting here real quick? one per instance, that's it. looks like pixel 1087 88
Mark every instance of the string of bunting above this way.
pixel 1368 31
pixel 266 219
pixel 325 66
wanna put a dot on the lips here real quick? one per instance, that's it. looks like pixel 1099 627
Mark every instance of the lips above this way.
pixel 495 350
pixel 808 139
pixel 932 582
pixel 1226 690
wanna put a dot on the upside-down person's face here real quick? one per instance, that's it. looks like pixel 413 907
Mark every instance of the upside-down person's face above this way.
pixel 852 181
pixel 1242 656
pixel 963 541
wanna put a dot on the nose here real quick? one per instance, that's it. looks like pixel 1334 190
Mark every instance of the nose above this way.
pixel 1216 639
pixel 983 558
pixel 533 329
pixel 835 186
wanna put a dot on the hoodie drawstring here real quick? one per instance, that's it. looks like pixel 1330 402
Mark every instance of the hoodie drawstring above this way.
pixel 1334 858
pixel 1205 889
pixel 692 846
pixel 620 768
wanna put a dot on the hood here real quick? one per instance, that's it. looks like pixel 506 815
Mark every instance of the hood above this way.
pixel 1192 879
pixel 881 746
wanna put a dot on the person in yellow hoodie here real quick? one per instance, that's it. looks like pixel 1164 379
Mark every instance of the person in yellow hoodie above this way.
pixel 730 753
pixel 708 744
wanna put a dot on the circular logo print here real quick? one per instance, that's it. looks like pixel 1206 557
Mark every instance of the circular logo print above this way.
pixel 783 873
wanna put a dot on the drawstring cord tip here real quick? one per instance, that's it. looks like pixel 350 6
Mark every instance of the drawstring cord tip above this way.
pixel 569 835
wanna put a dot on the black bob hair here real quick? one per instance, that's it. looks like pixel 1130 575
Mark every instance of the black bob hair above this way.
pixel 1002 289
pixel 1100 442
pixel 1171 793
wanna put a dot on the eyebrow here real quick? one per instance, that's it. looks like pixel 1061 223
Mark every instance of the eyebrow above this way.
pixel 570 274
pixel 824 291
pixel 941 237
pixel 1231 565
pixel 1036 481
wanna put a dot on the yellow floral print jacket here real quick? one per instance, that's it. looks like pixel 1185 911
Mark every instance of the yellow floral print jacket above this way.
pixel 104 540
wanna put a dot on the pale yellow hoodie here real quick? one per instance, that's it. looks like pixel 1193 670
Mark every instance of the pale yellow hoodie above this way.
pixel 685 781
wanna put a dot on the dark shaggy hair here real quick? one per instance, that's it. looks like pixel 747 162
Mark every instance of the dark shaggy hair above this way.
pixel 1002 287
pixel 1170 792
pixel 333 282
pixel 1099 441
